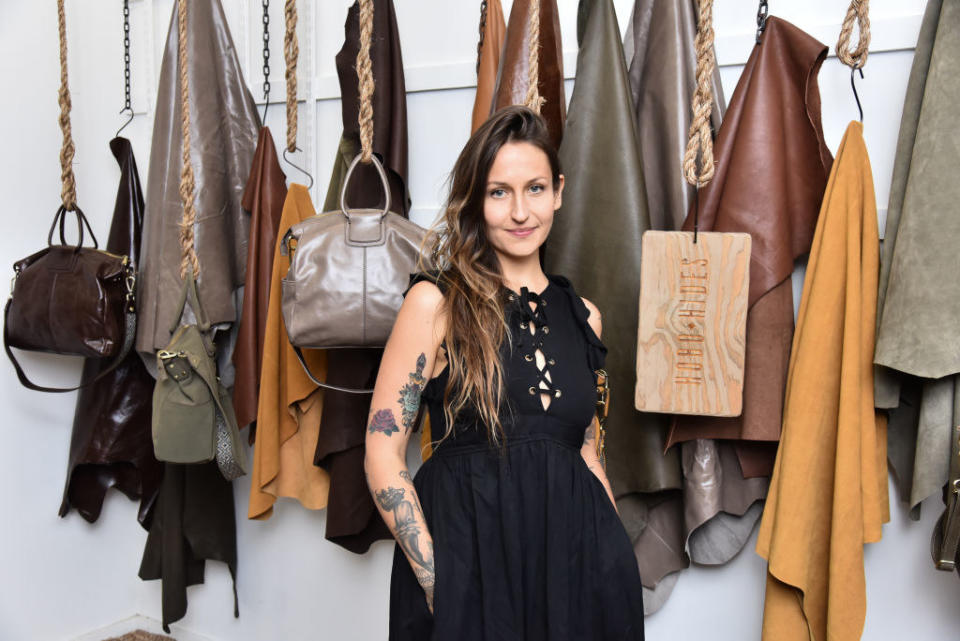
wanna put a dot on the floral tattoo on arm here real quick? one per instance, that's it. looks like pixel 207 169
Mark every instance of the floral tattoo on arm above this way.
pixel 410 393
pixel 383 422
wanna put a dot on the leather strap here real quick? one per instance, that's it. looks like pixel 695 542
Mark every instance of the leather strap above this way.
pixel 190 292
pixel 946 536
pixel 603 408
pixel 82 223
pixel 129 334
pixel 306 368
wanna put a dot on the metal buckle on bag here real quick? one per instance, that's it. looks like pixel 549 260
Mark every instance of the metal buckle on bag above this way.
pixel 13 281
pixel 175 364
pixel 131 282
pixel 603 407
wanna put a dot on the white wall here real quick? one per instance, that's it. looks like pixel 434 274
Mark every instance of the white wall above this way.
pixel 64 577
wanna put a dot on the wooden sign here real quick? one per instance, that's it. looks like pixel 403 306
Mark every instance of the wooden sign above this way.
pixel 693 319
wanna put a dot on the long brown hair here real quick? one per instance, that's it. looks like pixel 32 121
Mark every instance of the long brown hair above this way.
pixel 470 271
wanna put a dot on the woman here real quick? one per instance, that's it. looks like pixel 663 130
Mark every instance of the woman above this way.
pixel 509 530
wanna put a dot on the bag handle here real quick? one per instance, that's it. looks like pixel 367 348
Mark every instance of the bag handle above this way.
pixel 366 86
pixel 82 222
pixel 190 292
pixel 129 334
pixel 383 181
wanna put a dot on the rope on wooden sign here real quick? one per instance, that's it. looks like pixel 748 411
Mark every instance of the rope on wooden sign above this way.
pixel 700 136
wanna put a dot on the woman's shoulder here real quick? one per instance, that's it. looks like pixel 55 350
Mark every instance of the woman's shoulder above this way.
pixel 580 304
pixel 565 284
pixel 435 276
pixel 586 313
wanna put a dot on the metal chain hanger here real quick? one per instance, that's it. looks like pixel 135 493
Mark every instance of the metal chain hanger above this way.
pixel 763 13
pixel 266 60
pixel 126 67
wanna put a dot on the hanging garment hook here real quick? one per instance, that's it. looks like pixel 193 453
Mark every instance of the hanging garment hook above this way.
pixel 858 15
pixel 126 67
pixel 297 167
pixel 853 84
pixel 128 121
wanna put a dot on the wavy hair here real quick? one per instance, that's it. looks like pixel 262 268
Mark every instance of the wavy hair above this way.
pixel 470 271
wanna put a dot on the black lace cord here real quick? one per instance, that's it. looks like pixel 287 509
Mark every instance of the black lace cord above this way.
pixel 541 327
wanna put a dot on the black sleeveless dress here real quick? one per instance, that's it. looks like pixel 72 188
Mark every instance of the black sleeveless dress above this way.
pixel 527 546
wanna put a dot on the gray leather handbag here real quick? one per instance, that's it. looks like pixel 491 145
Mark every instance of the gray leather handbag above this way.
pixel 348 271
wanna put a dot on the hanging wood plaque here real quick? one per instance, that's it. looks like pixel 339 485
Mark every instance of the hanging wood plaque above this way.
pixel 693 319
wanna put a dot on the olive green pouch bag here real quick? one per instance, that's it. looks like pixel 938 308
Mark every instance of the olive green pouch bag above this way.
pixel 193 418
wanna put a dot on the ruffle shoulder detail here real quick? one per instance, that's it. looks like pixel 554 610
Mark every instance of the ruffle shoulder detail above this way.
pixel 596 350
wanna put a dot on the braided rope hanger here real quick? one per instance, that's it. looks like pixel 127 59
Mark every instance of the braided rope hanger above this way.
pixel 859 13
pixel 68 192
pixel 856 58
pixel 534 100
pixel 700 136
pixel 291 51
pixel 188 253
pixel 366 82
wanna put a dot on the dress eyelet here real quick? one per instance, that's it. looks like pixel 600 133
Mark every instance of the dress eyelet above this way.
pixel 528 357
pixel 546 330
pixel 532 390
pixel 523 325
pixel 556 393
pixel 551 361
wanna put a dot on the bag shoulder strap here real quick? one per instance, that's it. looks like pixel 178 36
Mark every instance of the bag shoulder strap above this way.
pixel 946 536
pixel 129 333
pixel 306 368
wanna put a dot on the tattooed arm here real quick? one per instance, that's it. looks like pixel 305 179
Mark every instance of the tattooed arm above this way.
pixel 589 449
pixel 589 454
pixel 407 364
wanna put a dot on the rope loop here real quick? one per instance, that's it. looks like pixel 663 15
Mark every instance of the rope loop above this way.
pixel 859 13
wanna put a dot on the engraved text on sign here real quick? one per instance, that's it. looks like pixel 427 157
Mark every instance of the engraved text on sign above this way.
pixel 692 323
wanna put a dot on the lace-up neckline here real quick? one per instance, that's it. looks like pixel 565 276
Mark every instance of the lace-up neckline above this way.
pixel 532 314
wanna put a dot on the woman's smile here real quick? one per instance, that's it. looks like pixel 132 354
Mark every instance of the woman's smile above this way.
pixel 522 232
